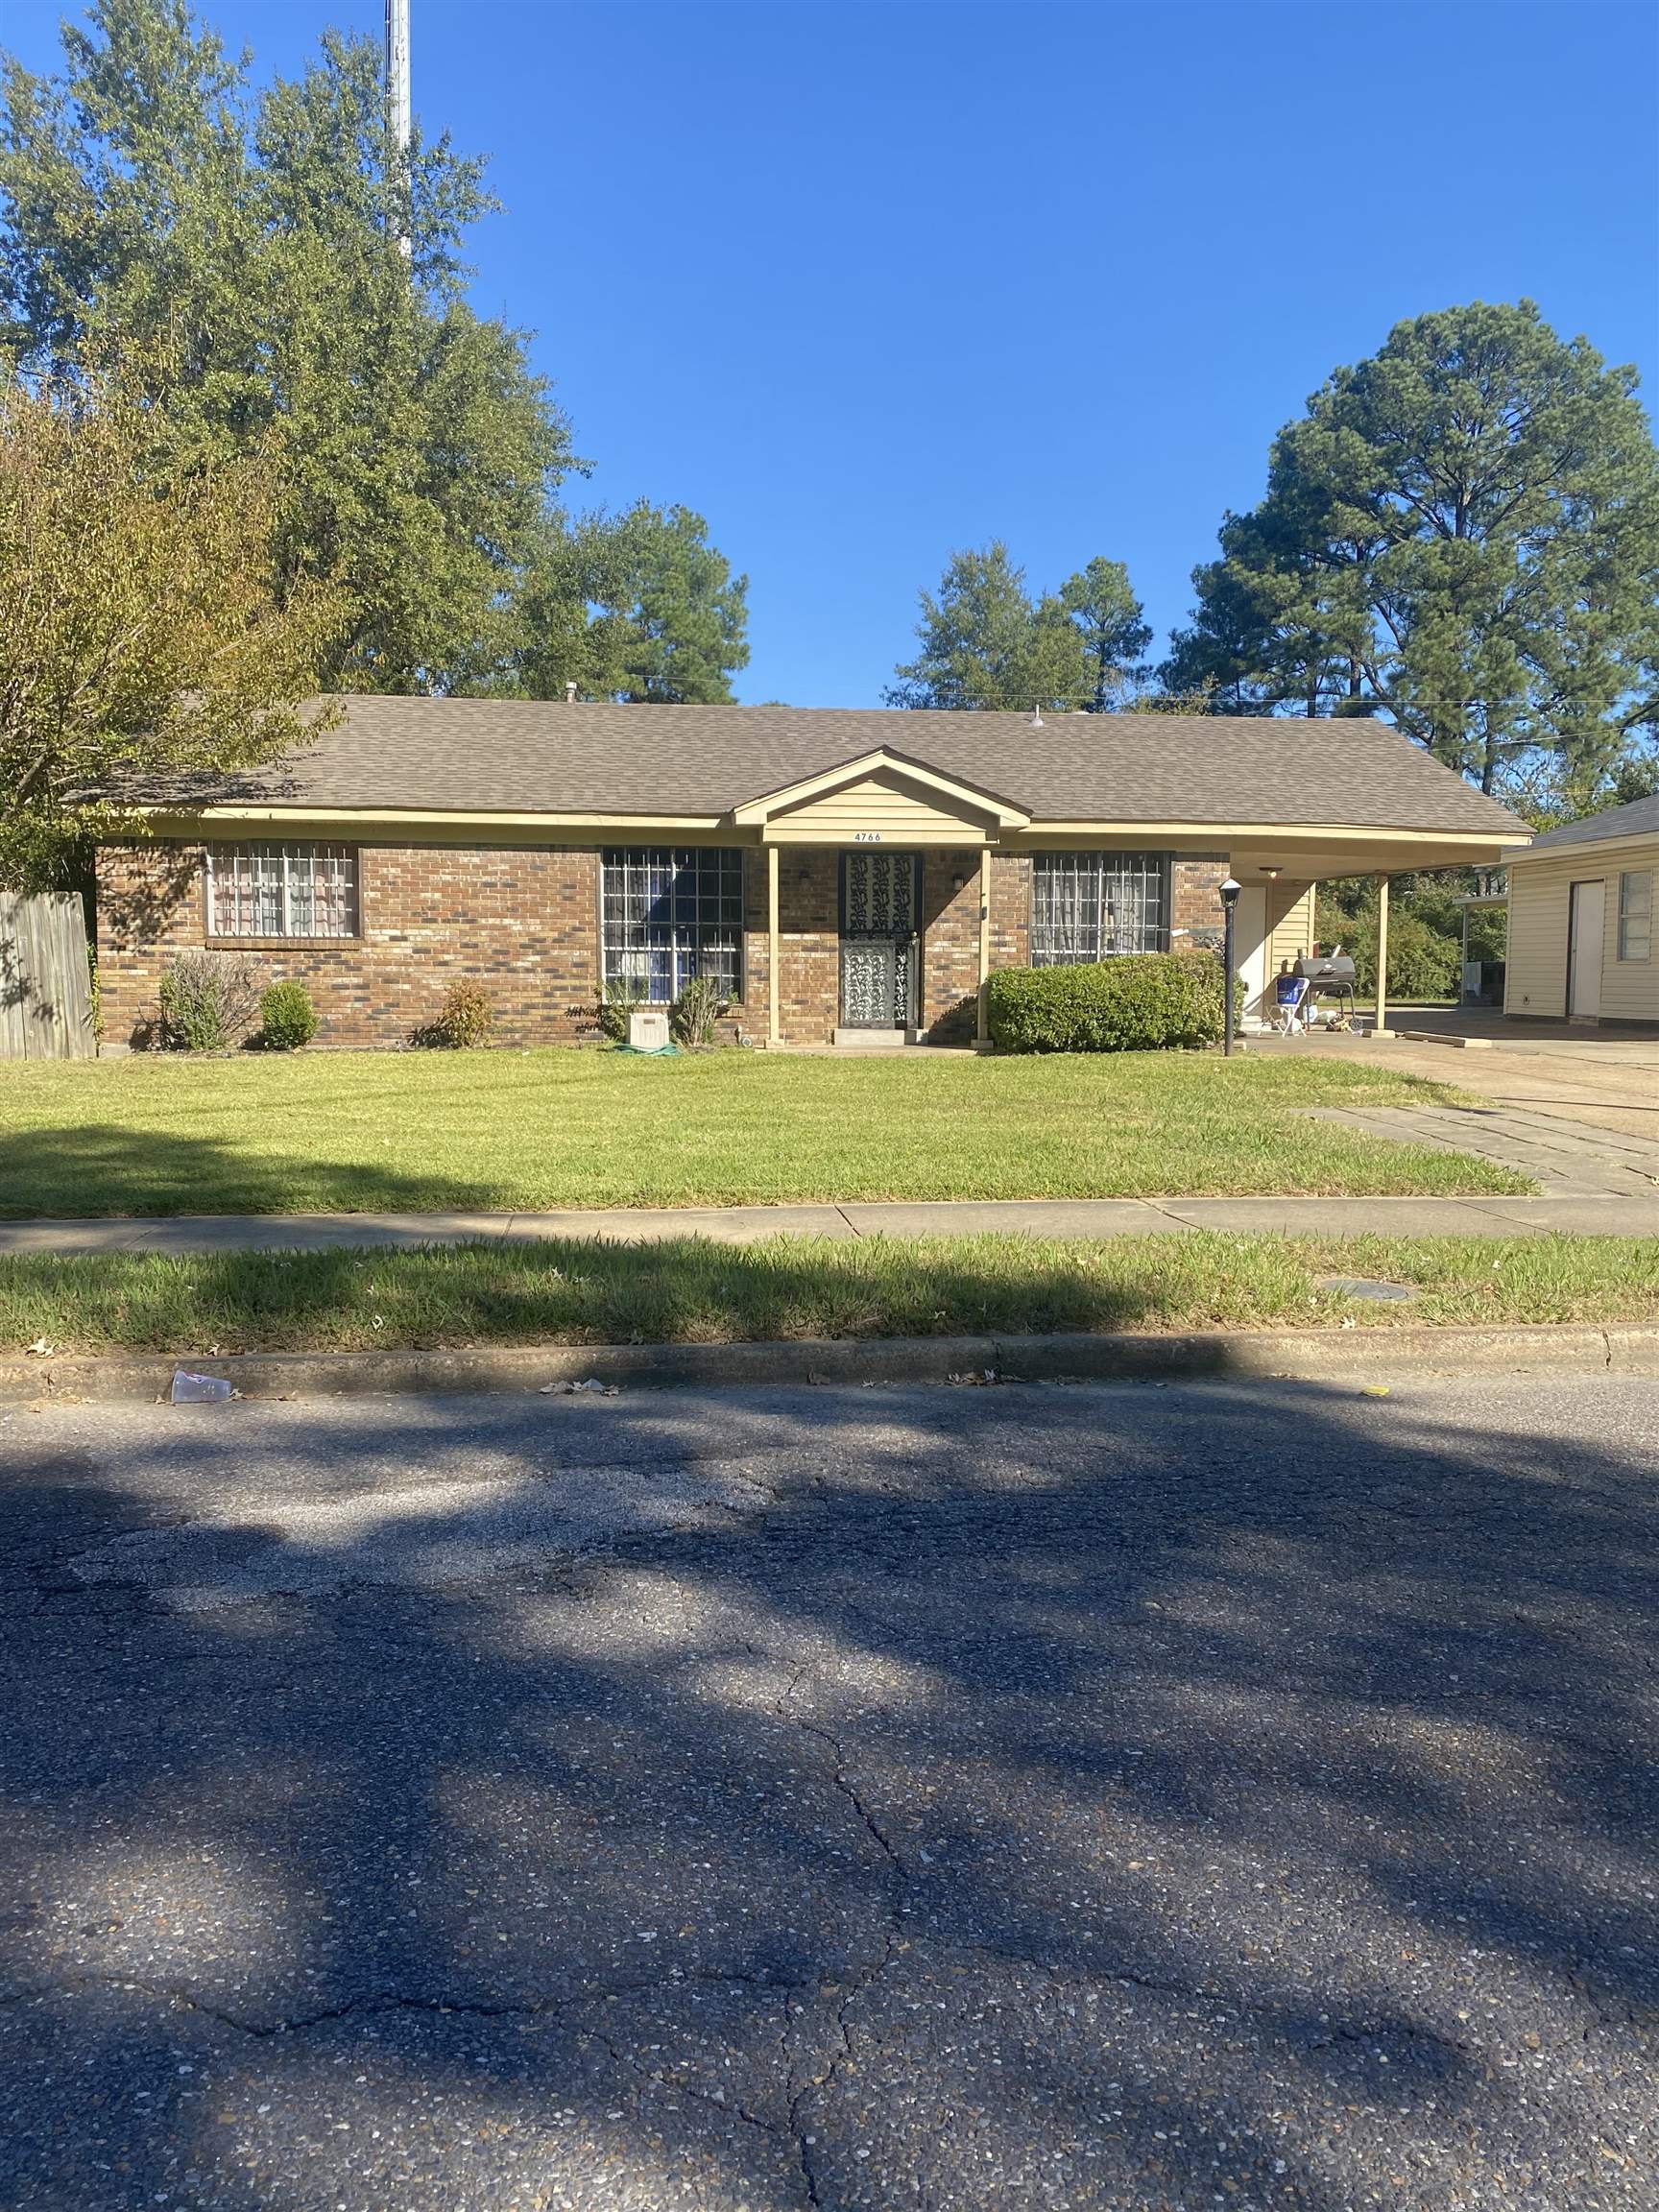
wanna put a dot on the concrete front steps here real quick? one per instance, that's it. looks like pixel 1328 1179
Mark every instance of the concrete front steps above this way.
pixel 875 1040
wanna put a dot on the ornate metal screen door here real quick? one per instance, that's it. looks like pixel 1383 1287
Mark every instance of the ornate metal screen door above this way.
pixel 879 902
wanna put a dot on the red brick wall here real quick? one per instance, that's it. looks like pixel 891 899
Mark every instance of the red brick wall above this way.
pixel 951 944
pixel 1194 897
pixel 1010 909
pixel 523 921
pixel 809 949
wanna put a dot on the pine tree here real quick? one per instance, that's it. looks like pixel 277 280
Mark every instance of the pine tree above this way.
pixel 1463 533
pixel 986 643
pixel 1111 621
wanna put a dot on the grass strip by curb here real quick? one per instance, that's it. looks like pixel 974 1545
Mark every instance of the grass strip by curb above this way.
pixel 693 1290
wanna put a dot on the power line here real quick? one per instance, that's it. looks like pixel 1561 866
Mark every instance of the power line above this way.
pixel 1061 703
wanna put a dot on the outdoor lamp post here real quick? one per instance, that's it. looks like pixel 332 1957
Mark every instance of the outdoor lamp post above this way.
pixel 1229 891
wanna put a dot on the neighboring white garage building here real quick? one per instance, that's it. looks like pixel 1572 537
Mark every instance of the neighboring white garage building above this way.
pixel 1581 920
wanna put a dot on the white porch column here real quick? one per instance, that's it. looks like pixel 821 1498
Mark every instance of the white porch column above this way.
pixel 982 1028
pixel 774 1034
pixel 1381 1028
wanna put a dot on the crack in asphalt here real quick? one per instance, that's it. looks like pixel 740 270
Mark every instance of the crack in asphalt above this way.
pixel 802 2038
pixel 898 1878
pixel 379 2003
pixel 382 2004
pixel 667 2078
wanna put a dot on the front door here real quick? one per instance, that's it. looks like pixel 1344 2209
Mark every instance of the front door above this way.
pixel 1587 917
pixel 878 965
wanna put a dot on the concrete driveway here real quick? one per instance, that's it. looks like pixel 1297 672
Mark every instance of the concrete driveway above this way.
pixel 1601 1078
pixel 998 1797
pixel 1576 1109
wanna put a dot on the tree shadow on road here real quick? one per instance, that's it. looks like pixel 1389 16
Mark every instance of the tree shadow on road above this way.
pixel 1244 1794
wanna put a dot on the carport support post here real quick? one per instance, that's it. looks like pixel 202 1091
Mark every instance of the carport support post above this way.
pixel 1379 1027
pixel 982 1026
pixel 774 1034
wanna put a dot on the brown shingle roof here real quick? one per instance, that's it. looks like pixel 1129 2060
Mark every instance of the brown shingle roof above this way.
pixel 1635 820
pixel 501 755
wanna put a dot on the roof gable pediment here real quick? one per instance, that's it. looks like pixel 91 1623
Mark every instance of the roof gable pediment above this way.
pixel 886 790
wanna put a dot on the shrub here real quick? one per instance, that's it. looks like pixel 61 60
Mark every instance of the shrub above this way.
pixel 621 995
pixel 1422 963
pixel 1141 1002
pixel 287 1018
pixel 465 1018
pixel 208 1000
pixel 697 1010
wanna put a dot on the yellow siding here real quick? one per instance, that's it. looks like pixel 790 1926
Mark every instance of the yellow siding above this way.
pixel 1290 923
pixel 1539 896
pixel 899 813
pixel 1629 988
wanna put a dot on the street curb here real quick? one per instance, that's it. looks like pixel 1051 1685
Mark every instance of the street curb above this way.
pixel 1335 1356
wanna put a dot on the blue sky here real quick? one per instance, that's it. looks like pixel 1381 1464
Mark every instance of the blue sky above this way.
pixel 865 283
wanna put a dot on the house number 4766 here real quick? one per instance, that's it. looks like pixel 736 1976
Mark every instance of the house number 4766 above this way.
pixel 866 836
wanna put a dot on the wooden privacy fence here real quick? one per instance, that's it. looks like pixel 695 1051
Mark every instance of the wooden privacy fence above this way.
pixel 45 983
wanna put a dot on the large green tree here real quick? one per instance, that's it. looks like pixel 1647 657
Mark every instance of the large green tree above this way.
pixel 157 205
pixel 1111 624
pixel 986 641
pixel 1463 533
pixel 140 634
pixel 636 606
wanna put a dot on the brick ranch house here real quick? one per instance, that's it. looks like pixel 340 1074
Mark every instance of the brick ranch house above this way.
pixel 847 876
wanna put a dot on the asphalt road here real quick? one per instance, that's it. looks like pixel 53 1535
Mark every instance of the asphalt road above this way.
pixel 1235 1796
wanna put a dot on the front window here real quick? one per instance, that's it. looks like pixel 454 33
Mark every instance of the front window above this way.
pixel 669 916
pixel 1636 914
pixel 1092 906
pixel 281 891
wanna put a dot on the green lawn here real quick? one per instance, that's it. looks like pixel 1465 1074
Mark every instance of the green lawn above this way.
pixel 418 1131
pixel 691 1290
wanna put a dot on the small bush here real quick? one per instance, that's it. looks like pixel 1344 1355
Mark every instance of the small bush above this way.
pixel 621 997
pixel 465 1019
pixel 1141 1002
pixel 697 1010
pixel 287 1018
pixel 208 1000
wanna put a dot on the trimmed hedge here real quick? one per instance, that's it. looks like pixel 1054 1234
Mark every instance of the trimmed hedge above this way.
pixel 1139 1002
pixel 287 1017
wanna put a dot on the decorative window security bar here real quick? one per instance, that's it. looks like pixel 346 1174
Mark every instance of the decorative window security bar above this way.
pixel 281 891
pixel 1094 906
pixel 669 915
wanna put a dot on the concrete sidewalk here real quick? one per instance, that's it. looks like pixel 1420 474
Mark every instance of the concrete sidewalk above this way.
pixel 1599 1215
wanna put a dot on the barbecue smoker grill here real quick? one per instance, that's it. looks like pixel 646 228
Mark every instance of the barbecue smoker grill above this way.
pixel 1332 974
